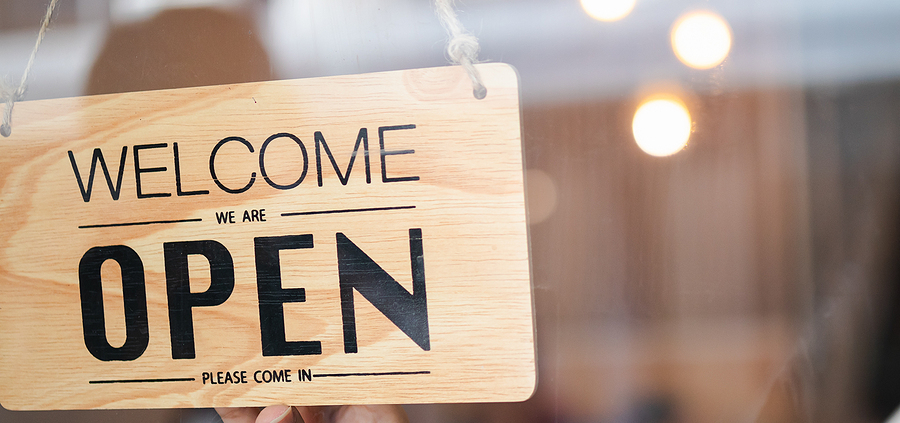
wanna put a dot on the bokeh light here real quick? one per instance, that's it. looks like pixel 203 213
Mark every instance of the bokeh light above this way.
pixel 662 126
pixel 701 39
pixel 607 10
pixel 541 195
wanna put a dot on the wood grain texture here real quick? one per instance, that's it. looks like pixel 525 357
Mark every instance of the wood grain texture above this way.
pixel 468 202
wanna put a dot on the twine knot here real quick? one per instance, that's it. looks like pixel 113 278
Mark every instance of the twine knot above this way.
pixel 462 49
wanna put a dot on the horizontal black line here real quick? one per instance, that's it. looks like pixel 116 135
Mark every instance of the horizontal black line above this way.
pixel 178 379
pixel 152 222
pixel 346 211
pixel 425 372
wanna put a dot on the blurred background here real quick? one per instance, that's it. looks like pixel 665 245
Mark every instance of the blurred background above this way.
pixel 712 184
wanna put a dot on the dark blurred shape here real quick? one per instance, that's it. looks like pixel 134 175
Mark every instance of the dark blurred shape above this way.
pixel 180 48
pixel 864 122
pixel 177 48
pixel 854 151
pixel 93 416
pixel 652 409
pixel 885 361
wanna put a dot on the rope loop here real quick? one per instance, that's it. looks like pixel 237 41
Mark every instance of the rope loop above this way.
pixel 462 49
pixel 10 98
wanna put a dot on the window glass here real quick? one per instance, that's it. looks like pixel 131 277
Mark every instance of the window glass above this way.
pixel 712 185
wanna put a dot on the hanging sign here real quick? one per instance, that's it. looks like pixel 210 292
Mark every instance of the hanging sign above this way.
pixel 343 240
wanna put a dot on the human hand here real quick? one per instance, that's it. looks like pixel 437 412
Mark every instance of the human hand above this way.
pixel 329 414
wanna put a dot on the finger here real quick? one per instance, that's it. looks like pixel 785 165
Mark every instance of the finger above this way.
pixel 370 414
pixel 316 414
pixel 354 414
pixel 279 414
pixel 238 414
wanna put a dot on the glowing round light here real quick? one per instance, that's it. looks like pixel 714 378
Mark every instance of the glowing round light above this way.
pixel 607 10
pixel 701 40
pixel 661 127
pixel 541 195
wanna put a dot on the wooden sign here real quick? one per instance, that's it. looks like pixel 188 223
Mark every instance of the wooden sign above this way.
pixel 342 240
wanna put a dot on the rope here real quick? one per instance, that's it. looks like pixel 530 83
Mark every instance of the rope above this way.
pixel 462 47
pixel 10 98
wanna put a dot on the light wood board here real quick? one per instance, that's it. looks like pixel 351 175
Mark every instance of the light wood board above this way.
pixel 143 301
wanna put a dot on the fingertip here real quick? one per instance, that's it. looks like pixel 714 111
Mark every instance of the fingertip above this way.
pixel 237 414
pixel 371 413
pixel 279 414
pixel 314 414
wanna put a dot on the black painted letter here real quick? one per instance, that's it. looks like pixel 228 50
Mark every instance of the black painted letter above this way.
pixel 212 166
pixel 385 153
pixel 272 296
pixel 138 170
pixel 262 160
pixel 409 312
pixel 98 157
pixel 320 143
pixel 178 176
pixel 137 334
pixel 178 284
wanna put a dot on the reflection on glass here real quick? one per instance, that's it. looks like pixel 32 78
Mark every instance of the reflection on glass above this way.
pixel 701 40
pixel 541 195
pixel 608 10
pixel 662 126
